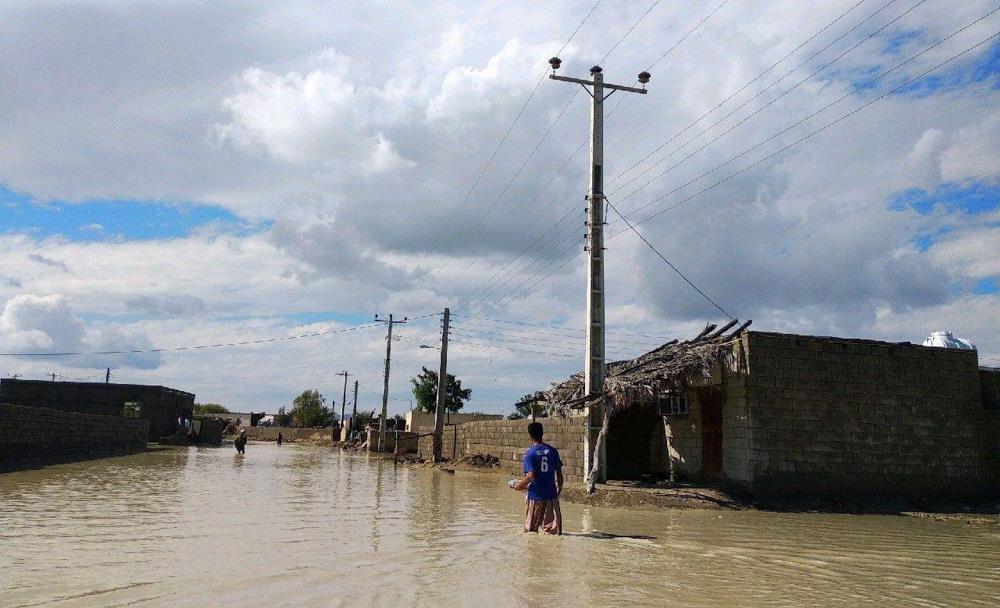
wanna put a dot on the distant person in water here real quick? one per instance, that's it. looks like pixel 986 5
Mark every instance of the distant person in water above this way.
pixel 241 442
pixel 279 437
pixel 543 480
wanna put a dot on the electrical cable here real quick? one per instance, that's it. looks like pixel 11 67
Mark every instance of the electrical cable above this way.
pixel 783 149
pixel 668 262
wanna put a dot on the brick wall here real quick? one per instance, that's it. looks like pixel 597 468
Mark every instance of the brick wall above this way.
pixel 35 432
pixel 291 434
pixel 844 416
pixel 508 439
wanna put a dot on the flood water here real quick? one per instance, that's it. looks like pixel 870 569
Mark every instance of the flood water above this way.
pixel 304 526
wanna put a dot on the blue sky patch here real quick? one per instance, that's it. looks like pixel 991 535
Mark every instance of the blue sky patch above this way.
pixel 984 67
pixel 897 41
pixel 110 220
pixel 971 199
pixel 986 286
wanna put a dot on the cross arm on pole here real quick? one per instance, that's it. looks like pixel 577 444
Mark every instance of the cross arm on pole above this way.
pixel 616 87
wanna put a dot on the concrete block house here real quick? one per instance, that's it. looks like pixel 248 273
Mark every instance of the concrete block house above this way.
pixel 793 414
pixel 160 405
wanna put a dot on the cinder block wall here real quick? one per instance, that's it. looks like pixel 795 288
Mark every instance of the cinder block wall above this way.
pixel 36 432
pixel 829 415
pixel 508 439
pixel 292 434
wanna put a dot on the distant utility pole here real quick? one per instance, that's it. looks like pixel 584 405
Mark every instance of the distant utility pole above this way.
pixel 354 407
pixel 385 382
pixel 107 376
pixel 343 402
pixel 53 374
pixel 441 388
pixel 594 364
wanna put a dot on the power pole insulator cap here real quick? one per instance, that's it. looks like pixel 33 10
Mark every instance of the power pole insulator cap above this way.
pixel 644 77
pixel 596 69
pixel 555 62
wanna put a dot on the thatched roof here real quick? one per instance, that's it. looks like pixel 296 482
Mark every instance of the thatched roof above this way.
pixel 640 381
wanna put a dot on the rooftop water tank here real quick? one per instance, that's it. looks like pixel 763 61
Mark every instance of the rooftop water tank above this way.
pixel 945 339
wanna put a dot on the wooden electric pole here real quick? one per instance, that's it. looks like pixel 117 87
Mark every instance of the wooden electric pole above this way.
pixel 594 364
pixel 441 389
pixel 385 381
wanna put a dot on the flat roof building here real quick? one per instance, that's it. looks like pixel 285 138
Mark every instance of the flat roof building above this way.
pixel 160 405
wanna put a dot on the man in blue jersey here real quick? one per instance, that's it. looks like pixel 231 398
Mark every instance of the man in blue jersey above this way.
pixel 544 482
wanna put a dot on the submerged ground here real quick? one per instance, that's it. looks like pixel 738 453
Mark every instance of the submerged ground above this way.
pixel 308 526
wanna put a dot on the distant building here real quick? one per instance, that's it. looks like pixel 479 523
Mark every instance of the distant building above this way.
pixel 160 405
pixel 419 421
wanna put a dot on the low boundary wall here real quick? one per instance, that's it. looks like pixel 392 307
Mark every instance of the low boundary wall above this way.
pixel 292 434
pixel 508 440
pixel 41 433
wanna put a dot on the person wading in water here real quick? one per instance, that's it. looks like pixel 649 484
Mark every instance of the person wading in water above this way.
pixel 241 442
pixel 544 482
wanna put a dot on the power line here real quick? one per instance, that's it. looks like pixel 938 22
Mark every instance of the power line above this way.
pixel 183 348
pixel 783 149
pixel 551 126
pixel 510 128
pixel 755 112
pixel 538 193
pixel 491 346
pixel 740 90
pixel 824 127
pixel 668 262
pixel 554 327
pixel 695 122
pixel 520 112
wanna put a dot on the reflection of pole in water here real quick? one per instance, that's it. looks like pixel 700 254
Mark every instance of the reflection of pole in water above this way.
pixel 377 511
pixel 586 521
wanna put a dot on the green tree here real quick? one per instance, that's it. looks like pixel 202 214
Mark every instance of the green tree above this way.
pixel 281 418
pixel 209 408
pixel 363 418
pixel 309 409
pixel 425 390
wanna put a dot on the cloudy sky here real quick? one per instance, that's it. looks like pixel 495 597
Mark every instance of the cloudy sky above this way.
pixel 179 174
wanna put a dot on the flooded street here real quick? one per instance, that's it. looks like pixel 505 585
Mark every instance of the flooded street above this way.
pixel 304 526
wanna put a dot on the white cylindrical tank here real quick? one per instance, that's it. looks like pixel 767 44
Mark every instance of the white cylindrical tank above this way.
pixel 945 339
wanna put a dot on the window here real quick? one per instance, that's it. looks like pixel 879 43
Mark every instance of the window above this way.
pixel 132 409
pixel 673 404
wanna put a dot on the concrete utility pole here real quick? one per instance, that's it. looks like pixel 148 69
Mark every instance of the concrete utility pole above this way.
pixel 385 382
pixel 594 364
pixel 343 401
pixel 354 407
pixel 441 388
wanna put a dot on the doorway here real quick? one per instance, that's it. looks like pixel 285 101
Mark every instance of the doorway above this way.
pixel 710 401
pixel 630 436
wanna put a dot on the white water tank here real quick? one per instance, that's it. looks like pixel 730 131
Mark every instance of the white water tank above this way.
pixel 945 339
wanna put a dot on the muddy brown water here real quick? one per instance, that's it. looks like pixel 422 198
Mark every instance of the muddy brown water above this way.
pixel 306 526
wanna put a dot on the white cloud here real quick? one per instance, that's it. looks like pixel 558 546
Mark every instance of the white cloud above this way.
pixel 354 135
pixel 974 152
pixel 321 116
pixel 47 324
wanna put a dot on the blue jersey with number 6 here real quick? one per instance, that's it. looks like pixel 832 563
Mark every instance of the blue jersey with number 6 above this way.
pixel 542 460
